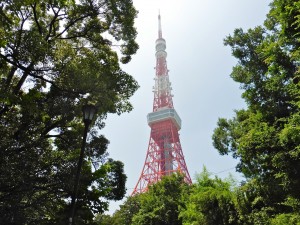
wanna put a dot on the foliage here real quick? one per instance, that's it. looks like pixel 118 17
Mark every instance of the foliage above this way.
pixel 56 56
pixel 128 210
pixel 171 201
pixel 160 204
pixel 265 136
pixel 211 201
pixel 286 219
pixel 104 219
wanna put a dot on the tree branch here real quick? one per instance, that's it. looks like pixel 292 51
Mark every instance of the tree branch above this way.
pixel 57 136
pixel 25 69
pixel 51 25
pixel 71 24
pixel 23 78
pixel 10 76
pixel 49 128
pixel 36 19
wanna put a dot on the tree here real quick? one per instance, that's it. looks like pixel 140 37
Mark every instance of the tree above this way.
pixel 160 204
pixel 128 210
pixel 124 215
pixel 104 219
pixel 265 136
pixel 56 56
pixel 211 201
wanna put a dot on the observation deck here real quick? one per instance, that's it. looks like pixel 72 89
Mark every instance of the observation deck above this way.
pixel 162 115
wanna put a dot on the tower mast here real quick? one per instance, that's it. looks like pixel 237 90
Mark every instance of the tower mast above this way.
pixel 164 155
pixel 162 88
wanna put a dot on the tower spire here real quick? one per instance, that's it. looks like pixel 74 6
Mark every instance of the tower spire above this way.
pixel 164 155
pixel 162 88
pixel 159 25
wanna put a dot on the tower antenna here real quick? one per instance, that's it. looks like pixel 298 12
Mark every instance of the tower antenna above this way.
pixel 159 26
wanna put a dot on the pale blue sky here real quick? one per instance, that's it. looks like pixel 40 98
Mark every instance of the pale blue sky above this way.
pixel 199 66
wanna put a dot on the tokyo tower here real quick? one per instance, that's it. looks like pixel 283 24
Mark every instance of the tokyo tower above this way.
pixel 164 155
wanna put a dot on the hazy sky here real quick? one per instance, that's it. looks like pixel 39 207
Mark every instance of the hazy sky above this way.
pixel 199 66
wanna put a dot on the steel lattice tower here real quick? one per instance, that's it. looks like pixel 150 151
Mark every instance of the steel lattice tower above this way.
pixel 164 155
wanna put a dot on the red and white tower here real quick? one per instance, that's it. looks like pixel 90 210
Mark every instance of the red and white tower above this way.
pixel 164 155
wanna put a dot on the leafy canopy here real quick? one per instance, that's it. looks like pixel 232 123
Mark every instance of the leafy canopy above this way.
pixel 56 56
pixel 265 136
